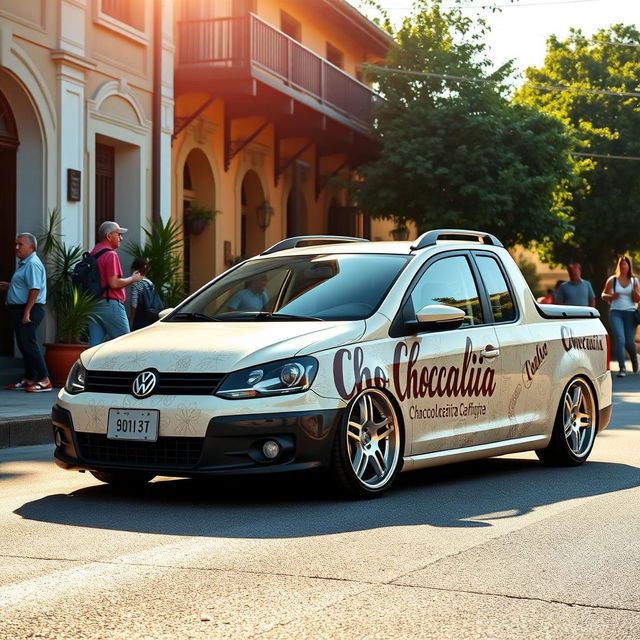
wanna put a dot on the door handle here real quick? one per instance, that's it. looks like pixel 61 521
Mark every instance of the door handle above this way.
pixel 490 352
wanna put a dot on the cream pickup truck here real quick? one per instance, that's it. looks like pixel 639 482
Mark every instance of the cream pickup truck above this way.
pixel 363 358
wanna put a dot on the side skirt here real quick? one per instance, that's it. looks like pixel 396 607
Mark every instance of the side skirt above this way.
pixel 471 453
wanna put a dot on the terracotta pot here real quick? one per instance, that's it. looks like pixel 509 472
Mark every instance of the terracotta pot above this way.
pixel 60 359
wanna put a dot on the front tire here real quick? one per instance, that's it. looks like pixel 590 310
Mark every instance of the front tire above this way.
pixel 367 450
pixel 123 479
pixel 575 427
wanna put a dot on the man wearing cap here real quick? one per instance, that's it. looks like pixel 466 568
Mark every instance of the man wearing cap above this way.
pixel 111 318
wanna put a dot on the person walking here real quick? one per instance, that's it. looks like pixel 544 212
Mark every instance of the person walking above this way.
pixel 140 315
pixel 26 297
pixel 110 320
pixel 622 292
pixel 575 291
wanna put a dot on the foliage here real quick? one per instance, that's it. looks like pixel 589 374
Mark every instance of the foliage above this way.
pixel 198 212
pixel 73 309
pixel 163 251
pixel 197 218
pixel 455 153
pixel 606 200
pixel 74 312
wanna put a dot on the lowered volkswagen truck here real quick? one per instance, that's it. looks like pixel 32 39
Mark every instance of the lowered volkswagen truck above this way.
pixel 363 358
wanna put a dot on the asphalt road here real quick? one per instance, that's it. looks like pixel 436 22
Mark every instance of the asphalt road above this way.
pixel 498 549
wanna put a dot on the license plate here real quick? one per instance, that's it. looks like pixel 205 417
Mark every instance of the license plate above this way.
pixel 133 424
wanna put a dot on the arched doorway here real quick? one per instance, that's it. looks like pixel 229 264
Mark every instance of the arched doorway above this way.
pixel 9 143
pixel 252 236
pixel 199 192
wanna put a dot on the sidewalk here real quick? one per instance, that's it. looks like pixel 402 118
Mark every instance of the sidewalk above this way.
pixel 25 418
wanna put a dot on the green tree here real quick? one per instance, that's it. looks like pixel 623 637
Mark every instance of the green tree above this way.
pixel 455 152
pixel 601 107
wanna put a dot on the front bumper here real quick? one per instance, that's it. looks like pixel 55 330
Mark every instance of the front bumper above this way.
pixel 232 445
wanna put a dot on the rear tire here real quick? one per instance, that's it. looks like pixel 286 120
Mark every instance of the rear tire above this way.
pixel 575 427
pixel 367 450
pixel 123 479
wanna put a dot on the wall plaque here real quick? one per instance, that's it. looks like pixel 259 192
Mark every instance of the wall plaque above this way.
pixel 74 190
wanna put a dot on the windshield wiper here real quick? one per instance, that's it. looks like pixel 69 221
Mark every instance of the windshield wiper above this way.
pixel 264 316
pixel 286 316
pixel 194 316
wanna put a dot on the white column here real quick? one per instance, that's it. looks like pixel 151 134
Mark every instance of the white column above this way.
pixel 71 68
pixel 167 110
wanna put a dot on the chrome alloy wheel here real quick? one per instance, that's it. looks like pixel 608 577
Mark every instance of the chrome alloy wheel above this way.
pixel 578 418
pixel 373 439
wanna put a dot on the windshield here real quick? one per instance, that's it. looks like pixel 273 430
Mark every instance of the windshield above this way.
pixel 317 287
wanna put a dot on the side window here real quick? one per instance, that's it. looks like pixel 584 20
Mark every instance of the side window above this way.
pixel 449 281
pixel 502 304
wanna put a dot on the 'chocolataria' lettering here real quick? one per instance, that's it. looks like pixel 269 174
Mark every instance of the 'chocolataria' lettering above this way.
pixel 473 378
pixel 584 343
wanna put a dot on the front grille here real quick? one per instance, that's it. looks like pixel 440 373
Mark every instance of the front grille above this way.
pixel 177 384
pixel 170 452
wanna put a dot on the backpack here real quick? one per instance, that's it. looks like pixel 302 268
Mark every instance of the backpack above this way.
pixel 86 276
pixel 149 306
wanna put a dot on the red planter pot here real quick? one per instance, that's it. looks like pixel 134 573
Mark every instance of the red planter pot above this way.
pixel 60 359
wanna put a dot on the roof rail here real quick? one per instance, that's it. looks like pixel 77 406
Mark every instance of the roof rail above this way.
pixel 430 238
pixel 308 241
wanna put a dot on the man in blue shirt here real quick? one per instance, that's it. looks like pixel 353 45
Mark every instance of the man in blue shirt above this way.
pixel 576 291
pixel 26 296
pixel 252 298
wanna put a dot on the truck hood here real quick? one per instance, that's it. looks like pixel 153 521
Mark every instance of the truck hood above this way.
pixel 217 347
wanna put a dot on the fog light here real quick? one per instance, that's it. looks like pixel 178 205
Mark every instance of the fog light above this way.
pixel 271 449
pixel 57 436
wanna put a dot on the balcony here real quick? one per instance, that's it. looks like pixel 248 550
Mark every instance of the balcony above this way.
pixel 244 56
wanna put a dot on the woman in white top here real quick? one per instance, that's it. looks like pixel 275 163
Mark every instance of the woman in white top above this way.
pixel 622 292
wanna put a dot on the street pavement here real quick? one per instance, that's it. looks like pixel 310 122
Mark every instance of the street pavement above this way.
pixel 499 549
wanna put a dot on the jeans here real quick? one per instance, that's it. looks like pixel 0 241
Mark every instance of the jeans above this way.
pixel 110 322
pixel 623 327
pixel 34 366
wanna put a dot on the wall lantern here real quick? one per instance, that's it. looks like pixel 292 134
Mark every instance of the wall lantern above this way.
pixel 264 213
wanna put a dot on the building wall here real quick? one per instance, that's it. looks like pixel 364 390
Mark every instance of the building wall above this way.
pixel 74 76
pixel 201 147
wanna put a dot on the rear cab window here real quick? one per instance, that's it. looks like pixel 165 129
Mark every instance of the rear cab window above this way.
pixel 501 300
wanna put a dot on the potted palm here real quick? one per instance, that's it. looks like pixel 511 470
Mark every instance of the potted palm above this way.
pixel 163 250
pixel 72 309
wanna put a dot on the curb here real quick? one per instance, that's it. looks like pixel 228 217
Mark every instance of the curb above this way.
pixel 28 430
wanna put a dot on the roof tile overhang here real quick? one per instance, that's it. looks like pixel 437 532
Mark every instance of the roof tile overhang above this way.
pixel 377 40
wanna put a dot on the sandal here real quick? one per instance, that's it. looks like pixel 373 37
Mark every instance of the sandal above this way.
pixel 38 387
pixel 19 386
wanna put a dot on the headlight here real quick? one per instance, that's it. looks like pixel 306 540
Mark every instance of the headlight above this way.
pixel 76 378
pixel 273 379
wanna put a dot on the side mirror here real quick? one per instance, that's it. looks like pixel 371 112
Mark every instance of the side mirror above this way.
pixel 164 313
pixel 435 317
pixel 439 313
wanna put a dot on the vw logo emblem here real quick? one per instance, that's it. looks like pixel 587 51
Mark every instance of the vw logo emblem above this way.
pixel 144 383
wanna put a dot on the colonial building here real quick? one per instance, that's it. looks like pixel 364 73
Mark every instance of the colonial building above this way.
pixel 77 116
pixel 271 119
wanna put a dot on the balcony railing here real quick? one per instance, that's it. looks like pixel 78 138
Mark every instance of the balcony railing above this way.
pixel 247 42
